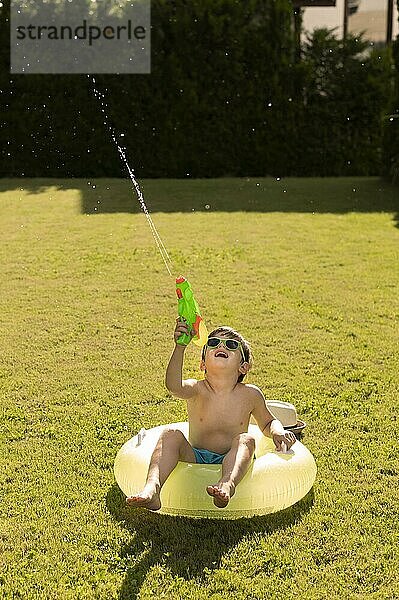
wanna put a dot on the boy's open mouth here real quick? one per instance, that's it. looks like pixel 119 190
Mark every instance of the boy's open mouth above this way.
pixel 221 354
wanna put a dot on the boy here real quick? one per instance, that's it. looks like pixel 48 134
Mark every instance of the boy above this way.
pixel 219 408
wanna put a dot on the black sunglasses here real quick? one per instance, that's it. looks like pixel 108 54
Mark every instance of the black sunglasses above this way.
pixel 230 344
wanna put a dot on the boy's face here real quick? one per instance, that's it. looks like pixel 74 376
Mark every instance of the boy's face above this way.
pixel 221 358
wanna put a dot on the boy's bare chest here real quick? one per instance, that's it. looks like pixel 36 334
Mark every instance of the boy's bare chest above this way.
pixel 227 411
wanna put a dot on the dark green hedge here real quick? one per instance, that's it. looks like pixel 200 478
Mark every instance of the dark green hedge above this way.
pixel 391 126
pixel 347 91
pixel 227 96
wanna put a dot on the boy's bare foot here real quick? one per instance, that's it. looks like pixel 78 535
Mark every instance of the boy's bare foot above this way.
pixel 148 498
pixel 221 492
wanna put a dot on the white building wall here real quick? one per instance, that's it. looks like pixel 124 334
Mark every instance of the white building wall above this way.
pixel 371 15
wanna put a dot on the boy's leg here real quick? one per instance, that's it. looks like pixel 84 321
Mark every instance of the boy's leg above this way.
pixel 171 447
pixel 235 465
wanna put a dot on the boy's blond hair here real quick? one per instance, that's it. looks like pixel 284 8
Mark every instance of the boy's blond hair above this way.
pixel 233 334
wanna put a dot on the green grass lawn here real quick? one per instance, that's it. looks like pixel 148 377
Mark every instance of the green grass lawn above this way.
pixel 307 270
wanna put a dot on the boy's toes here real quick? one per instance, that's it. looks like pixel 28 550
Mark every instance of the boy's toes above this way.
pixel 212 490
pixel 220 498
pixel 149 502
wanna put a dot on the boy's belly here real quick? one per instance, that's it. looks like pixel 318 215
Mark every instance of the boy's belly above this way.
pixel 215 440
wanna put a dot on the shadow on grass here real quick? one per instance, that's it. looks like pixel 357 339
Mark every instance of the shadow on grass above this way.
pixel 302 195
pixel 188 548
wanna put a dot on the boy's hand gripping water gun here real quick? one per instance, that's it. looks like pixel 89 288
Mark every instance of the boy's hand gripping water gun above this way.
pixel 189 311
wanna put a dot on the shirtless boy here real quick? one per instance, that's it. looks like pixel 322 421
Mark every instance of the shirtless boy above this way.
pixel 219 409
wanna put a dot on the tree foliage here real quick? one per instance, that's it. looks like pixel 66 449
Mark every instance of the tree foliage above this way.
pixel 391 126
pixel 346 94
pixel 226 96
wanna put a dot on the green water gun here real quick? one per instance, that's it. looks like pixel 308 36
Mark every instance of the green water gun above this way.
pixel 188 310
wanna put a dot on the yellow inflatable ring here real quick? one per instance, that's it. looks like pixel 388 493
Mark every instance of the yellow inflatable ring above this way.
pixel 274 481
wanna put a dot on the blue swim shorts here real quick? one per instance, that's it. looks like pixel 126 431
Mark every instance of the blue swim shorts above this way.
pixel 207 457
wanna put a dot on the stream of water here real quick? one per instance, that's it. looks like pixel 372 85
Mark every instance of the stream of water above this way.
pixel 122 153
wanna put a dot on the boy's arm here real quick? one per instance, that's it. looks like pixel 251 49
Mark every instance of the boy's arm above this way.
pixel 174 376
pixel 186 388
pixel 270 426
